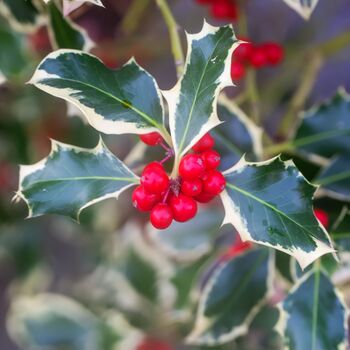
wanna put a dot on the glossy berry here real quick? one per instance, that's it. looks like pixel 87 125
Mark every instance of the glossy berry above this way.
pixel 191 188
pixel 258 58
pixel 322 217
pixel 204 197
pixel 205 143
pixel 237 71
pixel 243 52
pixel 214 182
pixel 153 344
pixel 184 208
pixel 161 216
pixel 155 180
pixel 224 9
pixel 191 166
pixel 274 53
pixel 151 139
pixel 143 200
pixel 154 166
pixel 211 159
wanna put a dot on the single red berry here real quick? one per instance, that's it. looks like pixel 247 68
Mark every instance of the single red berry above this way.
pixel 143 200
pixel 151 139
pixel 243 52
pixel 184 208
pixel 258 58
pixel 274 53
pixel 204 197
pixel 205 2
pixel 224 9
pixel 191 188
pixel 205 143
pixel 214 182
pixel 211 159
pixel 154 166
pixel 237 71
pixel 322 217
pixel 161 216
pixel 153 344
pixel 191 166
pixel 236 248
pixel 155 180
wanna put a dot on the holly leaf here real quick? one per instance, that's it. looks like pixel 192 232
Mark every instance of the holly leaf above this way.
pixel 192 102
pixel 341 230
pixel 22 15
pixel 64 33
pixel 313 316
pixel 120 101
pixel 324 130
pixel 270 203
pixel 231 298
pixel 71 5
pixel 305 8
pixel 71 179
pixel 335 178
pixel 52 321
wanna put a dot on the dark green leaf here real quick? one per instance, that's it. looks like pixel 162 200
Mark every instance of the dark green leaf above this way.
pixel 71 178
pixel 231 298
pixel 270 203
pixel 341 230
pixel 313 315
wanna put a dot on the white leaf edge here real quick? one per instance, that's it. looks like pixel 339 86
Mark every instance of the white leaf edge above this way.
pixel 173 95
pixel 201 324
pixel 26 170
pixel 233 217
pixel 302 10
pixel 281 325
pixel 96 120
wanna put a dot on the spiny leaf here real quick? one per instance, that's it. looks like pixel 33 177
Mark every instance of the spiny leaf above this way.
pixel 71 179
pixel 270 203
pixel 313 316
pixel 192 102
pixel 231 298
pixel 120 101
pixel 303 7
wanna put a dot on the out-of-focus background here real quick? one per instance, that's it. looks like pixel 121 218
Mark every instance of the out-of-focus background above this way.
pixel 55 254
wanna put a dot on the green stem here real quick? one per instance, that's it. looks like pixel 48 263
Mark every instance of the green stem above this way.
pixel 252 91
pixel 176 47
pixel 133 16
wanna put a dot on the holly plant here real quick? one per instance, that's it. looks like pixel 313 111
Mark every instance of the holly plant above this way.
pixel 217 158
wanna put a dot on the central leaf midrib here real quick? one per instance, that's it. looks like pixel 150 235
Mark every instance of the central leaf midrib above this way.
pixel 196 96
pixel 333 178
pixel 315 309
pixel 271 207
pixel 136 110
pixel 306 140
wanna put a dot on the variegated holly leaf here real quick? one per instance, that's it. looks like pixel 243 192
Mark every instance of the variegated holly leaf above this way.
pixel 71 5
pixel 270 203
pixel 335 178
pixel 341 230
pixel 192 102
pixel 232 297
pixel 237 135
pixel 52 321
pixel 64 33
pixel 71 179
pixel 313 316
pixel 325 130
pixel 305 8
pixel 120 101
pixel 22 15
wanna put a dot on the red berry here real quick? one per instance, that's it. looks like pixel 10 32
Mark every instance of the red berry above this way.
pixel 211 159
pixel 205 143
pixel 214 182
pixel 237 71
pixel 322 217
pixel 161 216
pixel 153 344
pixel 142 200
pixel 151 139
pixel 236 248
pixel 191 187
pixel 243 52
pixel 155 180
pixel 154 166
pixel 191 166
pixel 184 207
pixel 274 53
pixel 204 197
pixel 258 58
pixel 205 2
pixel 224 9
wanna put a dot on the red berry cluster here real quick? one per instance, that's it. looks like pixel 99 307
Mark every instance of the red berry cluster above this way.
pixel 256 56
pixel 222 9
pixel 176 199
